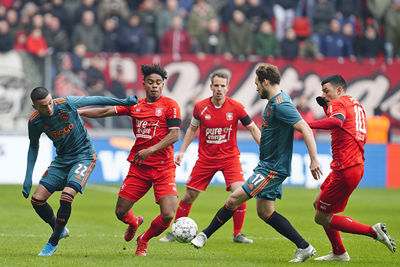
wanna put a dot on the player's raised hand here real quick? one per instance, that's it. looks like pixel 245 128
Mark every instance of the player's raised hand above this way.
pixel 178 158
pixel 315 169
pixel 132 100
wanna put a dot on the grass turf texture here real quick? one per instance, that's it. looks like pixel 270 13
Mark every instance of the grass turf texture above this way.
pixel 96 236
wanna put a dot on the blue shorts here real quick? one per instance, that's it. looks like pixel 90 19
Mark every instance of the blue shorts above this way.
pixel 264 184
pixel 59 174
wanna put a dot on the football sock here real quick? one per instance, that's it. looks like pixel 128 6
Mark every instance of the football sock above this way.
pixel 62 217
pixel 222 216
pixel 183 210
pixel 44 210
pixel 336 240
pixel 129 218
pixel 283 226
pixel 158 225
pixel 348 225
pixel 238 218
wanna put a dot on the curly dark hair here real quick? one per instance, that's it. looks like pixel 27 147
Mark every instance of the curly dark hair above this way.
pixel 150 69
pixel 268 72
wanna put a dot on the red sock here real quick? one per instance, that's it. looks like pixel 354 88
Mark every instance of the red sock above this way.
pixel 158 225
pixel 129 218
pixel 183 210
pixel 336 240
pixel 238 218
pixel 348 225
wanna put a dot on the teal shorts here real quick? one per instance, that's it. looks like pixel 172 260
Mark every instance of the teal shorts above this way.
pixel 76 173
pixel 264 184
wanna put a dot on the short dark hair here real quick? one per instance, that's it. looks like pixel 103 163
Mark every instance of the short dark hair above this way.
pixel 150 69
pixel 335 80
pixel 269 72
pixel 221 74
pixel 39 93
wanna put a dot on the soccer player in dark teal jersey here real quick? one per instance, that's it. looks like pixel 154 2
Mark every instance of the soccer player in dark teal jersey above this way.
pixel 276 146
pixel 75 160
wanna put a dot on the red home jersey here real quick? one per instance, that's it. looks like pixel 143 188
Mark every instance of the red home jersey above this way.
pixel 151 122
pixel 218 127
pixel 348 141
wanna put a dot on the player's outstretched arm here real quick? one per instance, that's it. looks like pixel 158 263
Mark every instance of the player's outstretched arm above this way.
pixel 255 132
pixel 32 156
pixel 82 101
pixel 187 140
pixel 308 137
pixel 98 112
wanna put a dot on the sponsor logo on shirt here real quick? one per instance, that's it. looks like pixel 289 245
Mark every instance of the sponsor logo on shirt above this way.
pixel 60 133
pixel 229 116
pixel 146 129
pixel 218 135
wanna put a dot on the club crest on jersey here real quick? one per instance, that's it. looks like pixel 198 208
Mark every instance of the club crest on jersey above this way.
pixel 158 112
pixel 229 116
pixel 63 115
pixel 207 117
pixel 138 110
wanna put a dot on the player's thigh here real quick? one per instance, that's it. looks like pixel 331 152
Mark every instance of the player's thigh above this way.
pixel 79 173
pixel 137 183
pixel 55 177
pixel 41 193
pixel 201 176
pixel 266 185
pixel 233 173
pixel 164 182
pixel 168 205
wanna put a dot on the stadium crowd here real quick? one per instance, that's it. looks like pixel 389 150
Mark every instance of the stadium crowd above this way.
pixel 356 29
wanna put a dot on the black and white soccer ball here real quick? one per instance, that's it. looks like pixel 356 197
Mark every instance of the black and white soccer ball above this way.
pixel 184 229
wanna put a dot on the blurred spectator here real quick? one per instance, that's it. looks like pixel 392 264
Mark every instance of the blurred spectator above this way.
pixel 84 6
pixel 230 7
pixel 392 29
pixel 212 41
pixel 185 6
pixel 95 79
pixel 132 37
pixel 309 50
pixel 37 22
pixel 20 41
pixel 77 56
pixel 256 12
pixel 200 14
pixel 290 45
pixel 36 43
pixel 110 35
pixel 370 44
pixel 176 40
pixel 6 3
pixel 88 33
pixel 148 18
pixel 306 113
pixel 56 37
pixel 284 11
pixel 218 5
pixel 378 128
pixel 6 38
pixel 265 43
pixel 116 9
pixel 322 14
pixel 166 15
pixel 239 34
pixel 117 87
pixel 58 10
pixel 349 40
pixel 12 19
pixel 336 44
pixel 347 11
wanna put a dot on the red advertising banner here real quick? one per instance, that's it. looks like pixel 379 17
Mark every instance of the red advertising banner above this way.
pixel 393 166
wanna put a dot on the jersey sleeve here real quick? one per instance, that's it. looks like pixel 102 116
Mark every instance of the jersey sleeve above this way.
pixel 34 135
pixel 82 101
pixel 287 113
pixel 123 110
pixel 173 115
pixel 336 107
pixel 242 115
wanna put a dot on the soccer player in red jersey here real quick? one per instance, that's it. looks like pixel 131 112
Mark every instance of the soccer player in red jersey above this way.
pixel 217 117
pixel 346 120
pixel 156 121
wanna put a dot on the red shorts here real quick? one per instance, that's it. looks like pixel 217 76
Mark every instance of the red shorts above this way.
pixel 141 178
pixel 337 188
pixel 203 173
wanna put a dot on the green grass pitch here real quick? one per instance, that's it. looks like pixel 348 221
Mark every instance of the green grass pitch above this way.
pixel 96 236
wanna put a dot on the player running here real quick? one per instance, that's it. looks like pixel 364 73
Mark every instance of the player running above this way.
pixel 156 122
pixel 346 120
pixel 276 146
pixel 75 159
pixel 217 117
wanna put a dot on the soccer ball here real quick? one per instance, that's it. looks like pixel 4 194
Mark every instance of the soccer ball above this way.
pixel 184 229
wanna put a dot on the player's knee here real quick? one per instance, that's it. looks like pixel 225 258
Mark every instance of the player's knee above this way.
pixel 168 216
pixel 321 220
pixel 120 213
pixel 37 202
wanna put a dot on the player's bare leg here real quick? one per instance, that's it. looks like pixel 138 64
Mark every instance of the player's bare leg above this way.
pixel 238 219
pixel 124 213
pixel 266 211
pixel 159 224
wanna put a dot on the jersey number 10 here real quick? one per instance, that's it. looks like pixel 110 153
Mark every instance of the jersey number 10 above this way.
pixel 360 119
